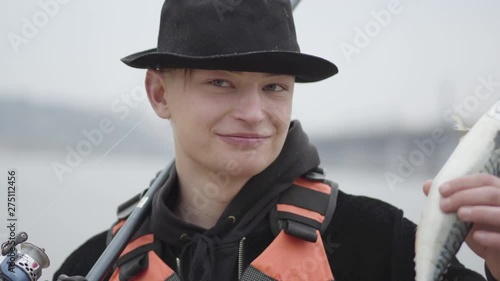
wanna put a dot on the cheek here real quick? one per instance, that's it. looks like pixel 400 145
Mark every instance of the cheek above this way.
pixel 184 120
pixel 194 119
pixel 187 110
pixel 281 113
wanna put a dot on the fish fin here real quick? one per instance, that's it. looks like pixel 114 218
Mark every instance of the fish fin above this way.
pixel 459 124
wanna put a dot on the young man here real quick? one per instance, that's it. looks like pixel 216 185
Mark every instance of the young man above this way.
pixel 226 85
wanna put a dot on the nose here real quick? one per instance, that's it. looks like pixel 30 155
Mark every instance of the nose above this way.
pixel 249 107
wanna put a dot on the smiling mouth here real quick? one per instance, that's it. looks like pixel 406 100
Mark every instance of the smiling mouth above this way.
pixel 243 140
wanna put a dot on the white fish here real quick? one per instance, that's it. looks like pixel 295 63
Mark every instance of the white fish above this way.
pixel 439 235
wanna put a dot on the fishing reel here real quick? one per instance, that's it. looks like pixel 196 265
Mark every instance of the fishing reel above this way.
pixel 23 265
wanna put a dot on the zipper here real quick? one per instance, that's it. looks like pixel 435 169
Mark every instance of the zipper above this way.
pixel 240 257
pixel 178 262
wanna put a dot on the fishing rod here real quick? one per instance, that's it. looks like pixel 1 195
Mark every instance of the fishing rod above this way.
pixel 105 262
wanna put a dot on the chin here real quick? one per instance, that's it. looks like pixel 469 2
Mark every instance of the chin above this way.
pixel 251 166
pixel 249 171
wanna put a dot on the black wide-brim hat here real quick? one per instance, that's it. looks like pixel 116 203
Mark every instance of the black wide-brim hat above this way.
pixel 234 35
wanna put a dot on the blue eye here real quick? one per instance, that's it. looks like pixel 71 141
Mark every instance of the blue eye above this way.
pixel 274 88
pixel 219 83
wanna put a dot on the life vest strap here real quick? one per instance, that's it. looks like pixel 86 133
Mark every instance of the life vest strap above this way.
pixel 135 252
pixel 306 198
pixel 298 214
pixel 133 266
pixel 147 267
pixel 306 206
pixel 126 208
pixel 301 231
pixel 332 205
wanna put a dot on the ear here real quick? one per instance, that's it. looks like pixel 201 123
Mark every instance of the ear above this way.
pixel 156 90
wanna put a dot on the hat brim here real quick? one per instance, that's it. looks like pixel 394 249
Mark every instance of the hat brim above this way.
pixel 305 68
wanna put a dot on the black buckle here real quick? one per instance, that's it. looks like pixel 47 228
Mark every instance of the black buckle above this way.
pixel 301 231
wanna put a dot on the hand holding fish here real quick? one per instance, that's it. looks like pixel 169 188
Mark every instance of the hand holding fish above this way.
pixel 476 199
pixel 463 203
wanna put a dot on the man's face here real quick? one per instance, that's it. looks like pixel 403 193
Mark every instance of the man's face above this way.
pixel 235 122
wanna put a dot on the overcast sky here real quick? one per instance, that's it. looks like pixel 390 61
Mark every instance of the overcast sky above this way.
pixel 428 56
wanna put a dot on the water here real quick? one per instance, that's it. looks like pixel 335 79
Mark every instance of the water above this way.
pixel 60 216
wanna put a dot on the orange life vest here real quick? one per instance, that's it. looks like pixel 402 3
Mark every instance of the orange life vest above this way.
pixel 297 252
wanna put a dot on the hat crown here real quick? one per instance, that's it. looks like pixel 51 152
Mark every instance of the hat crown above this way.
pixel 234 35
pixel 202 28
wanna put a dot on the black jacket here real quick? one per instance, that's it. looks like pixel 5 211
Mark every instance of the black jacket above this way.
pixel 367 239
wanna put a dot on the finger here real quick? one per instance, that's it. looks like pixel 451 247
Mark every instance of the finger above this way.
pixel 480 215
pixel 487 239
pixel 467 182
pixel 480 196
pixel 427 186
